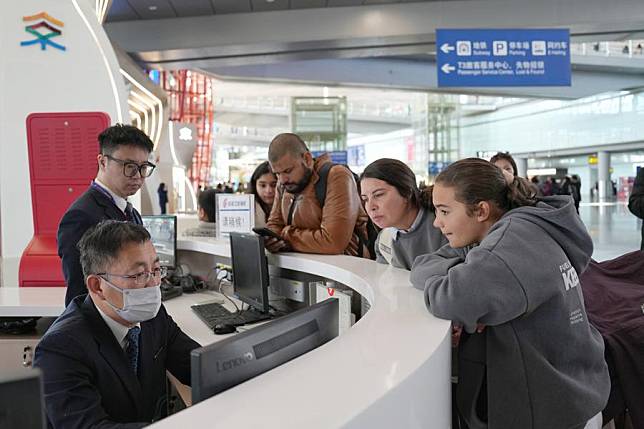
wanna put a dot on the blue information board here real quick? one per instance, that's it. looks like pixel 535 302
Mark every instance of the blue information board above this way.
pixel 503 57
pixel 356 155
pixel 434 168
pixel 337 156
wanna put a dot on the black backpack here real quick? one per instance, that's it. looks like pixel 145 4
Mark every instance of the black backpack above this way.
pixel 320 193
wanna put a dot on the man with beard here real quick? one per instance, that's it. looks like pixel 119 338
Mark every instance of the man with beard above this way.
pixel 337 226
pixel 123 166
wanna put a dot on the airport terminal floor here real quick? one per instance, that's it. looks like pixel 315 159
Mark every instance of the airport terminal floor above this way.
pixel 615 231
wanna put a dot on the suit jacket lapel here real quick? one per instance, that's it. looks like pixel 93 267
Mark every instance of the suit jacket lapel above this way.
pixel 110 208
pixel 150 350
pixel 111 350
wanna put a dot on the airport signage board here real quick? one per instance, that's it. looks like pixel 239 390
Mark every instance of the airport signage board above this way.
pixel 337 156
pixel 356 156
pixel 503 57
pixel 434 168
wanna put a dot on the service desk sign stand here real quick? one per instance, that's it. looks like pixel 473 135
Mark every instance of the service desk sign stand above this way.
pixel 235 213
pixel 479 57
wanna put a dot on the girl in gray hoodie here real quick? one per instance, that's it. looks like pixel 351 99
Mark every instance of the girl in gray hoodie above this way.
pixel 513 265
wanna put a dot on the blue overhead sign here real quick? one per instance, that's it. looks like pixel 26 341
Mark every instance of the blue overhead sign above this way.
pixel 434 168
pixel 503 57
pixel 337 156
pixel 356 156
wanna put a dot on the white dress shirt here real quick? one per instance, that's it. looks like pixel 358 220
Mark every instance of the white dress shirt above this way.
pixel 119 331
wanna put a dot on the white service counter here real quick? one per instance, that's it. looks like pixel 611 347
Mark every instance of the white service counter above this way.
pixel 391 369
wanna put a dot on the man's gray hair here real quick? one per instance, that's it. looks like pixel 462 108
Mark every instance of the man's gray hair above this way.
pixel 100 245
pixel 286 143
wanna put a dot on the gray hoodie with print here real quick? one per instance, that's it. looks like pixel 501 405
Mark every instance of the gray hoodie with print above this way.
pixel 544 362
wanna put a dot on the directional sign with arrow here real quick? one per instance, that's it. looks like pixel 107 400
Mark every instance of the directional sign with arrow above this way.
pixel 446 68
pixel 446 48
pixel 503 57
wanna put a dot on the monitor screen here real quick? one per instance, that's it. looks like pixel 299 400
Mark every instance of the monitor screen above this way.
pixel 163 230
pixel 250 270
pixel 227 363
pixel 21 401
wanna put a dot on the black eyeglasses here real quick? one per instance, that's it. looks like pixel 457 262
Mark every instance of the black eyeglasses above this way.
pixel 130 168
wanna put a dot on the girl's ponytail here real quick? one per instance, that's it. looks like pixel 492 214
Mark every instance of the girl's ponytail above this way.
pixel 520 193
pixel 425 198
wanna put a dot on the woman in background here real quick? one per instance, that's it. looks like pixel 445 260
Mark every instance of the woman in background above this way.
pixel 395 204
pixel 504 161
pixel 262 185
pixel 163 197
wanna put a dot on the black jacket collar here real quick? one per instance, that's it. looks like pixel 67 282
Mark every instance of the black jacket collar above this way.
pixel 109 206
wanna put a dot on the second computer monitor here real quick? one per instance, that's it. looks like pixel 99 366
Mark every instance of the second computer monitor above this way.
pixel 21 401
pixel 163 232
pixel 231 361
pixel 250 270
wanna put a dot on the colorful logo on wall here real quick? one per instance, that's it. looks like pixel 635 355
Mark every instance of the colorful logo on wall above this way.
pixel 39 30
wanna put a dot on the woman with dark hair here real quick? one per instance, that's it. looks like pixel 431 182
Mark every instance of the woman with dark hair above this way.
pixel 163 197
pixel 262 185
pixel 504 161
pixel 404 212
pixel 513 266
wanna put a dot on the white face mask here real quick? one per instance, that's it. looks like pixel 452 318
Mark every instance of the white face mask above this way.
pixel 139 305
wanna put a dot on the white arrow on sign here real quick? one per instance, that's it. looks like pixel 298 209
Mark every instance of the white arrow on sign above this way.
pixel 446 48
pixel 447 68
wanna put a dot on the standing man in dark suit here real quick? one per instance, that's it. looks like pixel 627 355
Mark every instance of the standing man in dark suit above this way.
pixel 122 167
pixel 104 360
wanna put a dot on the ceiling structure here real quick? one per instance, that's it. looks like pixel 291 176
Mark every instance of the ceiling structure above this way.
pixel 376 43
pixel 129 10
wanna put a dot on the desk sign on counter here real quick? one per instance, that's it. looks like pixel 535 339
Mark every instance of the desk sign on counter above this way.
pixel 489 57
pixel 235 213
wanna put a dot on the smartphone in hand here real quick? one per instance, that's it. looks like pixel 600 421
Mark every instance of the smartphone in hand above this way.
pixel 265 232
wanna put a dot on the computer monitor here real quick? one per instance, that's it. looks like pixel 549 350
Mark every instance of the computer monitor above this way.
pixel 21 401
pixel 163 230
pixel 227 363
pixel 250 270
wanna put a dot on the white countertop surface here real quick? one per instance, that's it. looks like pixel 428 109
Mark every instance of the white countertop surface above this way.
pixel 391 369
pixel 32 301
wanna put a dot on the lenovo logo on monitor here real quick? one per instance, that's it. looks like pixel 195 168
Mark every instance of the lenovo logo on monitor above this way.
pixel 225 365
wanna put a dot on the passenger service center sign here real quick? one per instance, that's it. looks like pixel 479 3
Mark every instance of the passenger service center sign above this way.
pixel 503 57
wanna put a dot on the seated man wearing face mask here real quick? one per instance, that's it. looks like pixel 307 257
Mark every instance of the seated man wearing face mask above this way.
pixel 104 360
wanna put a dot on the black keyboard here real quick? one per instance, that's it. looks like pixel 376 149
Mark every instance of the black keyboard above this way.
pixel 213 314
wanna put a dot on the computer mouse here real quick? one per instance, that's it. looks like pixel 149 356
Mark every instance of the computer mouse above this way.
pixel 224 329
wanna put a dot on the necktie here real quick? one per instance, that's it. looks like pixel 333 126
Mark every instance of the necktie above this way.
pixel 129 212
pixel 132 348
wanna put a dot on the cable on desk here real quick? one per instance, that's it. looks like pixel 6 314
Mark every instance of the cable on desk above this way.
pixel 219 279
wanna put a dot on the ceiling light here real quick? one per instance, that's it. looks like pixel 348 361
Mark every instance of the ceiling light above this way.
pixel 152 8
pixel 270 1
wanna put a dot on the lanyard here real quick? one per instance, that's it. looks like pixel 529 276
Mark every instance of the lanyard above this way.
pixel 103 191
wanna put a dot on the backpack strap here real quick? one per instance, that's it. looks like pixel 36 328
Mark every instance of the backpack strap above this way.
pixel 320 194
pixel 320 186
